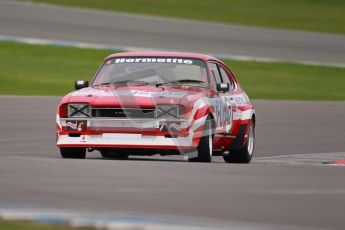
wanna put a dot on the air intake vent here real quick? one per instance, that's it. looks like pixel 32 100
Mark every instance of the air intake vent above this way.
pixel 123 112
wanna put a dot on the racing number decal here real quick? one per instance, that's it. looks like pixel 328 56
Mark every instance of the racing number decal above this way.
pixel 219 111
pixel 229 114
pixel 223 112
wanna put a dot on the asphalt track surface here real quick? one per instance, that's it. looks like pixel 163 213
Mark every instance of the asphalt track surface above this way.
pixel 280 195
pixel 28 20
pixel 282 188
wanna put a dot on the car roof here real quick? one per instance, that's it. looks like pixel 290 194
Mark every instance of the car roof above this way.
pixel 164 54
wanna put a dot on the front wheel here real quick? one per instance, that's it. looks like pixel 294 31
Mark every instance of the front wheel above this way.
pixel 204 149
pixel 244 154
pixel 77 153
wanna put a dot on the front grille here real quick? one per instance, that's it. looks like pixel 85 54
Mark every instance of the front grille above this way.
pixel 123 112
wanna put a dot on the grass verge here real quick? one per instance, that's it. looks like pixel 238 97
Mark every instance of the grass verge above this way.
pixel 45 70
pixel 312 15
pixel 50 70
pixel 25 225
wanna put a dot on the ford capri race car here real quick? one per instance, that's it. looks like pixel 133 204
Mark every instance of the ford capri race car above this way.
pixel 146 103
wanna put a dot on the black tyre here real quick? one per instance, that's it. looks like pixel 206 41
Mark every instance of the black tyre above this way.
pixel 244 154
pixel 204 150
pixel 110 153
pixel 77 153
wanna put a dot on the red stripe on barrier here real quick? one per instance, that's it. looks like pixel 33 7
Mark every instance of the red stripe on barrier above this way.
pixel 340 162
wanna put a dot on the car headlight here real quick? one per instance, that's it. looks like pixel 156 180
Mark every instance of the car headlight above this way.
pixel 167 112
pixel 79 110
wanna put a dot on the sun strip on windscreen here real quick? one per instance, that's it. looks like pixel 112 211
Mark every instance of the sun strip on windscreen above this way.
pixel 149 60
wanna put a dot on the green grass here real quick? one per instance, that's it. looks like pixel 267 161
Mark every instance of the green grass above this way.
pixel 290 81
pixel 45 70
pixel 48 70
pixel 24 225
pixel 312 15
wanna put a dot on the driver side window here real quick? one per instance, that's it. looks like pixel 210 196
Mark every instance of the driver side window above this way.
pixel 226 78
pixel 215 74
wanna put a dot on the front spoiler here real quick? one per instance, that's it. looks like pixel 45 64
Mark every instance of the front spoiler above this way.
pixel 125 140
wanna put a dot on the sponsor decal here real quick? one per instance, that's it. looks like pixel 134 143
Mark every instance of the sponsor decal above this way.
pixel 229 114
pixel 92 92
pixel 171 127
pixel 71 125
pixel 223 108
pixel 219 109
pixel 172 94
pixel 239 99
pixel 76 126
pixel 136 93
pixel 139 93
pixel 81 126
pixel 150 60
pixel 175 126
pixel 83 139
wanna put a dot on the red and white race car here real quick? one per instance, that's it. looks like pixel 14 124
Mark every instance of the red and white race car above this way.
pixel 146 103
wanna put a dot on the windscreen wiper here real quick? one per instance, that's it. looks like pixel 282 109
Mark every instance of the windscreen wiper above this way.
pixel 105 83
pixel 124 82
pixel 180 81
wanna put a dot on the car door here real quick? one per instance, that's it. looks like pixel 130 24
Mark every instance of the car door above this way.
pixel 228 96
pixel 219 101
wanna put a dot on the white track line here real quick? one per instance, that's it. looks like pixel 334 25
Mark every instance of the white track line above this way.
pixel 303 159
pixel 64 43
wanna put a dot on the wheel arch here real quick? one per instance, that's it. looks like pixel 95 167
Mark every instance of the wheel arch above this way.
pixel 254 119
pixel 213 123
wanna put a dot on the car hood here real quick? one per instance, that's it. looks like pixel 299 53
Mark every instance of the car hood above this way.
pixel 145 96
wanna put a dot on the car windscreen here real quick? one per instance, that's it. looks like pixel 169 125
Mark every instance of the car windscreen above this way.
pixel 152 70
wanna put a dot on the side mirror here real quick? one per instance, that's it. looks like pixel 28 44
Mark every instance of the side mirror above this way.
pixel 81 84
pixel 223 87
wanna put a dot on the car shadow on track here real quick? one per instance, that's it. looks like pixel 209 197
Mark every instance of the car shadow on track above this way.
pixel 151 159
pixel 140 158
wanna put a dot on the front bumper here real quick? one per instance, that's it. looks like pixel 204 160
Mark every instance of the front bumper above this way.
pixel 128 133
pixel 125 140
